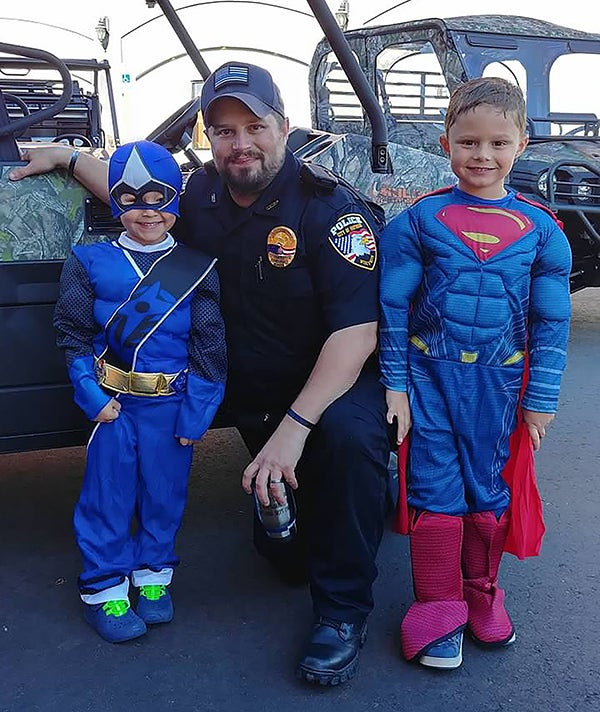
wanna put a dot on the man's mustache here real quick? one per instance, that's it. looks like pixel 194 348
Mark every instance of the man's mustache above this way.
pixel 245 154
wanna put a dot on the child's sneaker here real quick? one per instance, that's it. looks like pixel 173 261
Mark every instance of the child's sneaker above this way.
pixel 114 621
pixel 445 655
pixel 155 604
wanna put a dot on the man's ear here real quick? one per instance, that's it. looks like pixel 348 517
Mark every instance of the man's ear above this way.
pixel 444 143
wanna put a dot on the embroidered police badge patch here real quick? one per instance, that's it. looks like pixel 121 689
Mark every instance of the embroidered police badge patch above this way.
pixel 352 237
pixel 281 246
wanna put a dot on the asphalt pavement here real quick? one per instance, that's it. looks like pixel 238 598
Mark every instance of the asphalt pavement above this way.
pixel 237 631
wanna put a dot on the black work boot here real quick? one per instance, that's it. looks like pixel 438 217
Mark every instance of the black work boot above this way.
pixel 331 654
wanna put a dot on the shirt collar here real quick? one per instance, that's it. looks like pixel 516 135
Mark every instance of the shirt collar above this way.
pixel 269 202
pixel 125 241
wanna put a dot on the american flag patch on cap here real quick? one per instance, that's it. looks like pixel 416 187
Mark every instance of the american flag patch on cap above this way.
pixel 230 74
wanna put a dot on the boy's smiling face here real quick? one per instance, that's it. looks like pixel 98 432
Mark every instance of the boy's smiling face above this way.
pixel 483 144
pixel 147 226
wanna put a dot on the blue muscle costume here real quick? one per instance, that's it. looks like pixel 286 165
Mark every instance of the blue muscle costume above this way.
pixel 140 323
pixel 467 287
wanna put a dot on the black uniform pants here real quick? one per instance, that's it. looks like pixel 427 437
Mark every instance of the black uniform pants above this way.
pixel 341 498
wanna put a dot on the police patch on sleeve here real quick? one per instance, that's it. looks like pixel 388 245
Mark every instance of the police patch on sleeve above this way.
pixel 352 237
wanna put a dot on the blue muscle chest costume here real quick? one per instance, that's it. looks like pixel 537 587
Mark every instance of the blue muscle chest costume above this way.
pixel 468 285
pixel 148 312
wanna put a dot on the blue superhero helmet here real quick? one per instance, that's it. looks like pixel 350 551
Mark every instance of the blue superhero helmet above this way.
pixel 138 169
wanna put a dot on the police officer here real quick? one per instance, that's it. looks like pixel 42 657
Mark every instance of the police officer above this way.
pixel 298 269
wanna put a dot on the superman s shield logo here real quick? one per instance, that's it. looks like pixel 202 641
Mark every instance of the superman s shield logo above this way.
pixel 486 231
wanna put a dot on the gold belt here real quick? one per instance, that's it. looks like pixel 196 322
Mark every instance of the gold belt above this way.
pixel 136 384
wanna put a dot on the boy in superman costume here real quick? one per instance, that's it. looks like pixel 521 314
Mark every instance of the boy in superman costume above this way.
pixel 472 278
pixel 140 324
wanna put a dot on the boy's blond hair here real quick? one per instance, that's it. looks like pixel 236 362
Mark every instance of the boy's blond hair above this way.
pixel 493 91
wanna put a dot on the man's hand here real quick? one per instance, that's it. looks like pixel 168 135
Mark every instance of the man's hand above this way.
pixel 276 462
pixel 398 407
pixel 187 441
pixel 90 171
pixel 42 160
pixel 109 413
pixel 537 424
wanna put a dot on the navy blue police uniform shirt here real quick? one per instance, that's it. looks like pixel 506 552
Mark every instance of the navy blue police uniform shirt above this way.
pixel 294 267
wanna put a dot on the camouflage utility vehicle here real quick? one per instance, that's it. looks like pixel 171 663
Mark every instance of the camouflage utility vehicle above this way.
pixel 378 97
pixel 412 68
pixel 43 100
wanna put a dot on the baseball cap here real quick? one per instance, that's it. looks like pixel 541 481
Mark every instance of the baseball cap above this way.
pixel 252 85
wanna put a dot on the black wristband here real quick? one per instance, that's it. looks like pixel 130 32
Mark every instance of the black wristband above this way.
pixel 299 419
pixel 72 162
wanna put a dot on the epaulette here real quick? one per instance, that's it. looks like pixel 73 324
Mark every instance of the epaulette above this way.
pixel 439 191
pixel 323 179
pixel 543 207
pixel 319 177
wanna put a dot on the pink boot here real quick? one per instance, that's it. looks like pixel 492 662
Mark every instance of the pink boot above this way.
pixel 439 614
pixel 483 543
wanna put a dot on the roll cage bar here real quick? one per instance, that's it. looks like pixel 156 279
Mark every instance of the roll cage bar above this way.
pixel 50 107
pixel 380 161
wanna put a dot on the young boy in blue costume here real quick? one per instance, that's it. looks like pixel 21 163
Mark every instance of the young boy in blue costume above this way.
pixel 140 323
pixel 472 278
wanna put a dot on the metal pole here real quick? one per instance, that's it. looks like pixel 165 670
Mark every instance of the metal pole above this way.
pixel 380 162
pixel 184 36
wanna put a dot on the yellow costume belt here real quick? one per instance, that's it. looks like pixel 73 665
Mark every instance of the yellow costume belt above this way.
pixel 136 384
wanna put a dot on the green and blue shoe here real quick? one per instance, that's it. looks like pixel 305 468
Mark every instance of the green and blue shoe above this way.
pixel 114 621
pixel 155 604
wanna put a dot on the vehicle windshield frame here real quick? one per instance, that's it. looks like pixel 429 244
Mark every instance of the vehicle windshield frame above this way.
pixel 537 55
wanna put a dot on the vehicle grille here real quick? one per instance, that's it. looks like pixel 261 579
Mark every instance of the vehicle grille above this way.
pixel 574 186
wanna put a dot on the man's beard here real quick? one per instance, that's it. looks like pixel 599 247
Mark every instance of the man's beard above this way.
pixel 252 180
